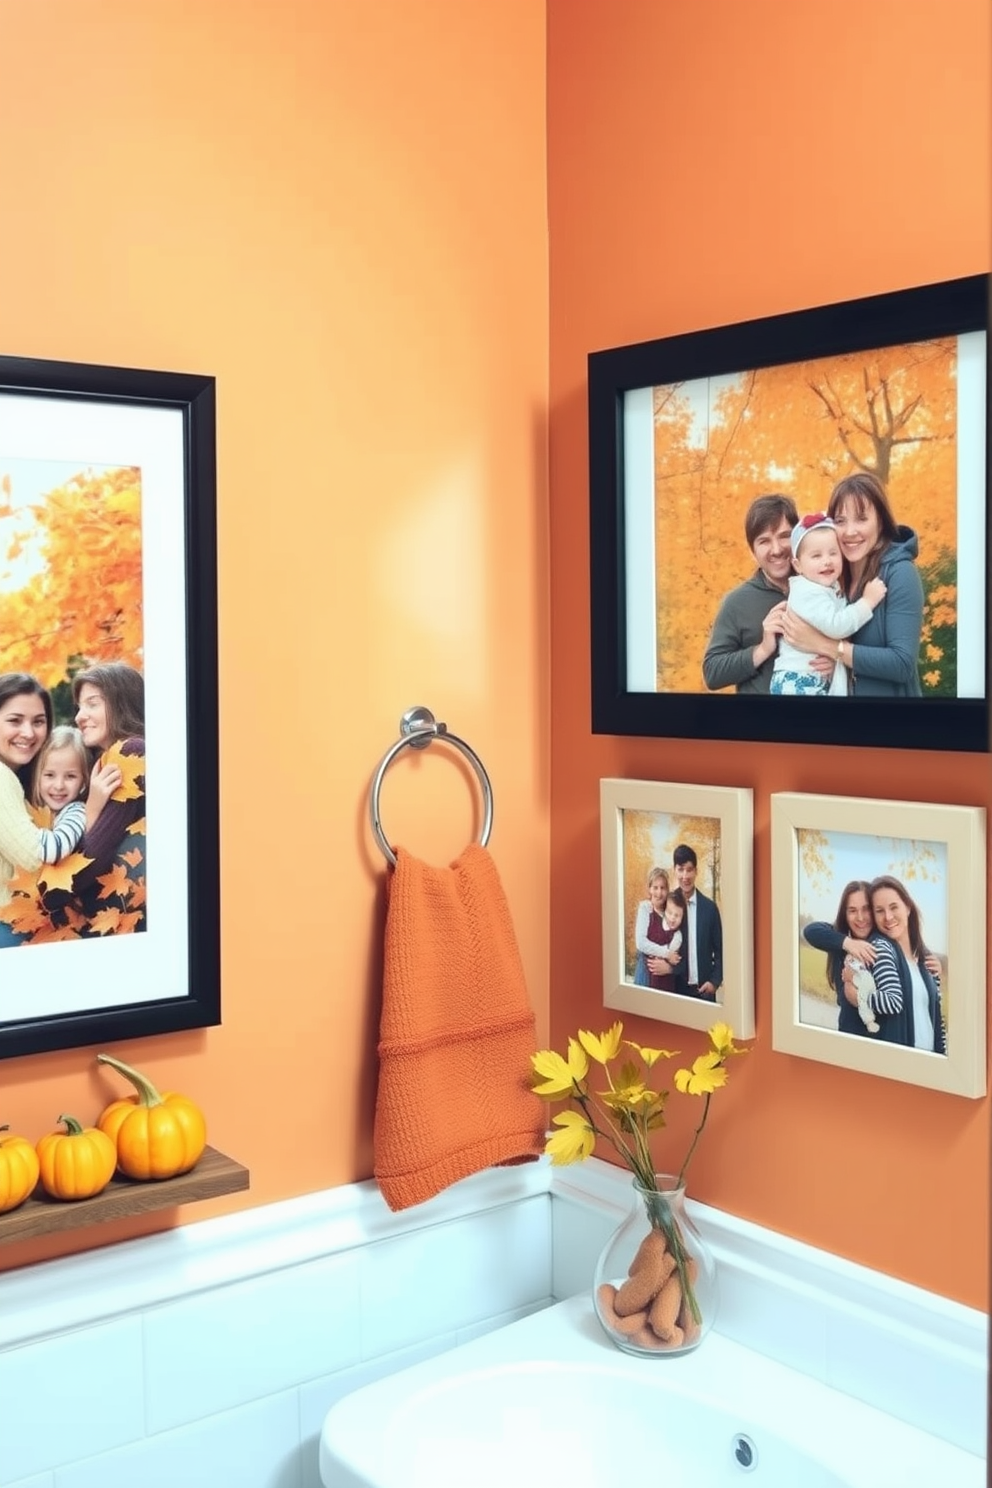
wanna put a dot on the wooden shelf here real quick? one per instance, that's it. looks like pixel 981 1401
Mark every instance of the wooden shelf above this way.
pixel 214 1174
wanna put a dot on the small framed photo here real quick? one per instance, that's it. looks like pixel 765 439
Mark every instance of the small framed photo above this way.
pixel 878 938
pixel 677 902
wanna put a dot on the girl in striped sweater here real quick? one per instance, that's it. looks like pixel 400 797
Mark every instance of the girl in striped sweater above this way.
pixel 61 778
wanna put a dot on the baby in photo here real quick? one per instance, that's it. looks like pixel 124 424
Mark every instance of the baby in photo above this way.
pixel 864 985
pixel 815 595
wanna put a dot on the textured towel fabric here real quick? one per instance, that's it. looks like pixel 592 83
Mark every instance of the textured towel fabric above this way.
pixel 456 1034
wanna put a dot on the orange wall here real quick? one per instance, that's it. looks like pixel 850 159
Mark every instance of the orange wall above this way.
pixel 709 163
pixel 339 210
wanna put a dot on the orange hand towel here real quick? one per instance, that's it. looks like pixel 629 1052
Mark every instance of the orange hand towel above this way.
pixel 456 1034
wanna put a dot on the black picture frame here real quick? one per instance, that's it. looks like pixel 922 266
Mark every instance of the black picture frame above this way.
pixel 98 991
pixel 950 308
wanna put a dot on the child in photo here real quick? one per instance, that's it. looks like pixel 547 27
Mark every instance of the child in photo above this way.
pixel 864 986
pixel 670 941
pixel 61 777
pixel 815 594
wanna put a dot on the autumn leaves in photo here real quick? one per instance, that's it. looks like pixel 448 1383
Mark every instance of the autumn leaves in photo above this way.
pixel 71 597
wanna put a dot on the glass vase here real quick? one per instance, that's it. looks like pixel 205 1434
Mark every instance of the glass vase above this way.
pixel 655 1284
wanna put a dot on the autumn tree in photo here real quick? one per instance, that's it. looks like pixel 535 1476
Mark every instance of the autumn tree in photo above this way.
pixel 798 429
pixel 70 575
pixel 71 595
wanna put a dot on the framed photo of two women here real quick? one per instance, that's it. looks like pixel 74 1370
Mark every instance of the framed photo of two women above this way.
pixel 878 938
pixel 109 873
pixel 788 526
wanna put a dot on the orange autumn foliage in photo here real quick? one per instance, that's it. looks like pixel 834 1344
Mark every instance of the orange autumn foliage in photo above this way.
pixel 70 574
pixel 71 594
pixel 132 768
pixel 797 429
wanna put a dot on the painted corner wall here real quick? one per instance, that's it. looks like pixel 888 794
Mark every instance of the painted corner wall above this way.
pixel 710 163
pixel 338 210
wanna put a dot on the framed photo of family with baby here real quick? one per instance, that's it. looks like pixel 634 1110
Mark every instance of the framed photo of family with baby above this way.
pixel 788 526
pixel 109 857
pixel 677 902
pixel 878 938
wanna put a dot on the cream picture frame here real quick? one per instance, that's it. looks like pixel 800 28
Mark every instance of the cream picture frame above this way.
pixel 821 846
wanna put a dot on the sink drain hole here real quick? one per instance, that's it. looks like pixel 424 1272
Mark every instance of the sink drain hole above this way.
pixel 745 1452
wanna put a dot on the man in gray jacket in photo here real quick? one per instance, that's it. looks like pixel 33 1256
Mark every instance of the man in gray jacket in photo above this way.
pixel 742 644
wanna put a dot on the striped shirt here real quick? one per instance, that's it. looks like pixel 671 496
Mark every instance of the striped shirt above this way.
pixel 65 834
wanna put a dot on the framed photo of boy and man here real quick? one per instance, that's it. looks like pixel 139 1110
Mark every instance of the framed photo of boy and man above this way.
pixel 109 863
pixel 788 526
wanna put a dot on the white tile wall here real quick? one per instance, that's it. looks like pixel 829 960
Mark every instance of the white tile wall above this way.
pixel 254 1447
pixel 210 1355
pixel 256 1338
pixel 70 1397
pixel 453 1275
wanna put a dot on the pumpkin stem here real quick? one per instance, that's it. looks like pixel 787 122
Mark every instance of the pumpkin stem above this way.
pixel 72 1126
pixel 147 1094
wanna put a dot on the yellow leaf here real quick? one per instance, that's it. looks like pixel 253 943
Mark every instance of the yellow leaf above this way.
pixel 604 1046
pixel 60 875
pixel 106 921
pixel 131 767
pixel 560 1075
pixel 574 1142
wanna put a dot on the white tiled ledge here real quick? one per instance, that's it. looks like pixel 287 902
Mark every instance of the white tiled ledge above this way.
pixel 73 1291
pixel 790 1264
pixel 920 1357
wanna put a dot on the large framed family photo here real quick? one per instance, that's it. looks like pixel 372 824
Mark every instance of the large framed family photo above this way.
pixel 109 859
pixel 677 902
pixel 704 451
pixel 878 938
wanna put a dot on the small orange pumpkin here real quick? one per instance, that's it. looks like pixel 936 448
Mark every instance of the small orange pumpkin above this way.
pixel 156 1136
pixel 18 1169
pixel 77 1163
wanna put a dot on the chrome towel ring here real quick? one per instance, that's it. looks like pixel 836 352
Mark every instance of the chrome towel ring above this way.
pixel 419 728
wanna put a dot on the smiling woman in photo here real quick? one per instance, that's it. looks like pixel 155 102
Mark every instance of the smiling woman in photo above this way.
pixel 882 658
pixel 849 935
pixel 906 999
pixel 110 714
